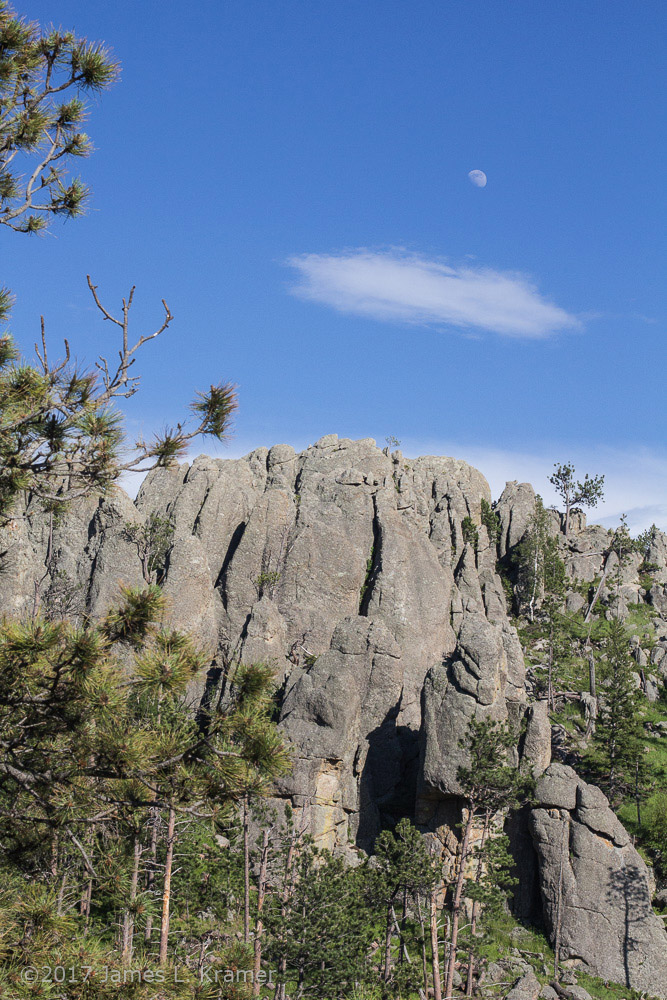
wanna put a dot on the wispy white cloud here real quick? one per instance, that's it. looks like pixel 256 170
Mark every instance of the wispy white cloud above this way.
pixel 400 287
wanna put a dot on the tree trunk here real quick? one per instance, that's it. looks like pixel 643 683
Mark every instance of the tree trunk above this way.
pixel 387 943
pixel 150 874
pixel 246 873
pixel 456 904
pixel 61 894
pixel 475 907
pixel 592 684
pixel 286 892
pixel 597 592
pixel 637 795
pixel 259 926
pixel 128 916
pixel 166 888
pixel 422 932
pixel 404 917
pixel 533 595
pixel 435 956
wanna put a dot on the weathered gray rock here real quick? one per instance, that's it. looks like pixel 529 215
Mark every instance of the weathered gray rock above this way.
pixel 606 916
pixel 515 509
pixel 528 988
pixel 345 567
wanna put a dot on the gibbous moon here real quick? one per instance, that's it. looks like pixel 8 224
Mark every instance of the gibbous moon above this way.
pixel 478 178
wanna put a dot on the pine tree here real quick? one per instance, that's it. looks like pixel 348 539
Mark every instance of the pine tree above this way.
pixel 60 436
pixel 576 493
pixel 488 784
pixel 617 747
pixel 540 573
pixel 404 868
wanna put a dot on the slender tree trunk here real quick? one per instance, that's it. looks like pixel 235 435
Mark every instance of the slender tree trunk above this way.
pixel 475 909
pixel 150 874
pixel 53 866
pixel 166 889
pixel 61 894
pixel 128 916
pixel 47 564
pixel 598 589
pixel 456 904
pixel 422 931
pixel 87 891
pixel 435 954
pixel 404 917
pixel 387 943
pixel 592 683
pixel 637 795
pixel 246 873
pixel 533 595
pixel 286 892
pixel 259 926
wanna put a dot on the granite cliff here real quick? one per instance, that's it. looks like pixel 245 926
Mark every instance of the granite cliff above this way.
pixel 352 571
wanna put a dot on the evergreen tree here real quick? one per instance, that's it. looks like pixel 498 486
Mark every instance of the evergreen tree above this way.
pixel 539 570
pixel 617 749
pixel 44 76
pixel 61 438
pixel 489 784
pixel 404 868
pixel 576 493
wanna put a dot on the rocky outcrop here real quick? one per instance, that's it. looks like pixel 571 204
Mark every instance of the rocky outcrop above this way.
pixel 347 569
pixel 595 882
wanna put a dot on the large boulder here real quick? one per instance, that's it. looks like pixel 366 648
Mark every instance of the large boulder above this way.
pixel 587 861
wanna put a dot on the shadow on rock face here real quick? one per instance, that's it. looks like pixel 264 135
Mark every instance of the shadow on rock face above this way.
pixel 388 781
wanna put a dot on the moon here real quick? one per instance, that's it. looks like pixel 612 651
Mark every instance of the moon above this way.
pixel 478 178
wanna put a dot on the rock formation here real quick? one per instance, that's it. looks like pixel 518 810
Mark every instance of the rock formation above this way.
pixel 587 861
pixel 347 568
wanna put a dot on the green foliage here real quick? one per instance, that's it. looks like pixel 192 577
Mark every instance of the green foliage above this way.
pixel 153 540
pixel 367 578
pixel 576 493
pixel 39 121
pixel 327 932
pixel 617 754
pixel 403 863
pixel 491 521
pixel 644 541
pixel 60 436
pixel 469 531
pixel 538 569
pixel 654 829
pixel 488 782
pixel 266 582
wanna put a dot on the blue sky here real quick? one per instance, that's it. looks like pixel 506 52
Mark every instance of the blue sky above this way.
pixel 292 177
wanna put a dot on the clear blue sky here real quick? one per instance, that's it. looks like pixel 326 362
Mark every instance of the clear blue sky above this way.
pixel 515 325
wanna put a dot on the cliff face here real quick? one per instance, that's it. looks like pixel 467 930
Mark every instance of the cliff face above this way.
pixel 347 568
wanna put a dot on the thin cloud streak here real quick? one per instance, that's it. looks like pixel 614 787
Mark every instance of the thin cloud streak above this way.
pixel 397 287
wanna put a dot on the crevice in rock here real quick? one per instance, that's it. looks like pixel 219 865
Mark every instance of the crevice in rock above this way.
pixel 234 542
pixel 372 565
pixel 197 519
